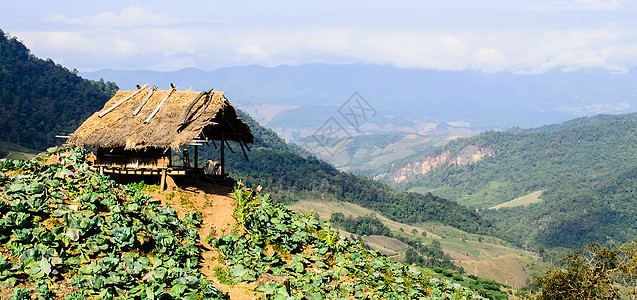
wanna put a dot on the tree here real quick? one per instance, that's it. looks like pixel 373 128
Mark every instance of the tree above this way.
pixel 628 272
pixel 595 272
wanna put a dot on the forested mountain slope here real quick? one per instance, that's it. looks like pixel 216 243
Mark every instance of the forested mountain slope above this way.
pixel 39 99
pixel 582 167
pixel 605 208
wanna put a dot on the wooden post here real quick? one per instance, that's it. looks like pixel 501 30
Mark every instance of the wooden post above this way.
pixel 196 157
pixel 162 186
pixel 223 159
pixel 185 158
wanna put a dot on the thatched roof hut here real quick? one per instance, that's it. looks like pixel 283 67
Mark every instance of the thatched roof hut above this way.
pixel 210 117
pixel 136 131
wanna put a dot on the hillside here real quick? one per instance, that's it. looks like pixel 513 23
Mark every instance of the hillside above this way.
pixel 291 176
pixel 478 255
pixel 374 153
pixel 582 168
pixel 70 233
pixel 39 99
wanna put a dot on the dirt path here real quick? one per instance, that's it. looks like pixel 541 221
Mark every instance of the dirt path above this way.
pixel 216 204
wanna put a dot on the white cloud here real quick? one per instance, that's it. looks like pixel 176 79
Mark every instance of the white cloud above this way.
pixel 590 5
pixel 130 16
pixel 136 37
pixel 594 109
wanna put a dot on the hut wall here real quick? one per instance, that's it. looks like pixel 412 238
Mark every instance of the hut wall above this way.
pixel 148 158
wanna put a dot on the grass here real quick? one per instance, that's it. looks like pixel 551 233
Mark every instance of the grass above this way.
pixel 510 269
pixel 521 201
pixel 14 151
pixel 390 246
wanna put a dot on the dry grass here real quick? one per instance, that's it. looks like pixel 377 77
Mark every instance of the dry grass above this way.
pixel 326 208
pixel 521 201
pixel 120 128
pixel 386 245
pixel 510 269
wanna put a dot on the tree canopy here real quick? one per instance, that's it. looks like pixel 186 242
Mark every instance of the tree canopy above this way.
pixel 40 99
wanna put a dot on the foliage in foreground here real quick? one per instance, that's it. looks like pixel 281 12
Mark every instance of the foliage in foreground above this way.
pixel 63 224
pixel 317 261
pixel 595 272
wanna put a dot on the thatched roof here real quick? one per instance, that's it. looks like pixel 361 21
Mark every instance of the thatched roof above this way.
pixel 209 117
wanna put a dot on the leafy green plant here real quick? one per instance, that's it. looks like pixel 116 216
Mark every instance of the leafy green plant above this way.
pixel 111 241
pixel 317 261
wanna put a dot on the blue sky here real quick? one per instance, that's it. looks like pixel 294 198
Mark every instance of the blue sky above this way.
pixel 487 36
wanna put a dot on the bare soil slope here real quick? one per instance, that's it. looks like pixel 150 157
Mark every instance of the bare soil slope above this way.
pixel 216 204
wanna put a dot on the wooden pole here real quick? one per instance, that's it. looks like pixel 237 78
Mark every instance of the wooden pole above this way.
pixel 163 180
pixel 223 159
pixel 170 157
pixel 122 101
pixel 196 157
pixel 159 105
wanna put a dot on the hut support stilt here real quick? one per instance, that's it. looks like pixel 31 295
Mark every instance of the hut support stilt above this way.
pixel 162 186
pixel 196 157
pixel 223 158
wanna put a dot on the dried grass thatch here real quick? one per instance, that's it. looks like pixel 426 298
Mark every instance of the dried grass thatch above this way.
pixel 211 117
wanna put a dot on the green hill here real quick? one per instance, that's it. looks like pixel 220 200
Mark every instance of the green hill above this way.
pixel 40 99
pixel 582 167
pixel 605 208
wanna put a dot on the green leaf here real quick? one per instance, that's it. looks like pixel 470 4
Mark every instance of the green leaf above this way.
pixel 178 290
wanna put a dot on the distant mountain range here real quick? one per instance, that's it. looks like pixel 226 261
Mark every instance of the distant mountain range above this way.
pixel 467 98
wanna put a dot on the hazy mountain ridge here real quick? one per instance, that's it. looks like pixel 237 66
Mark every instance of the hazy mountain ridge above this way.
pixel 483 100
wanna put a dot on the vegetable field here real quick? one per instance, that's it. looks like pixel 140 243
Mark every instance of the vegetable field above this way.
pixel 318 263
pixel 69 233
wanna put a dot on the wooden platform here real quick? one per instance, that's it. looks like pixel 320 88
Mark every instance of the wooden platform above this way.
pixel 163 172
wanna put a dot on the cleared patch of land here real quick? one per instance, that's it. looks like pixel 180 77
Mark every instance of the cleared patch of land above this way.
pixel 326 208
pixel 521 201
pixel 386 245
pixel 216 204
pixel 510 269
pixel 14 151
